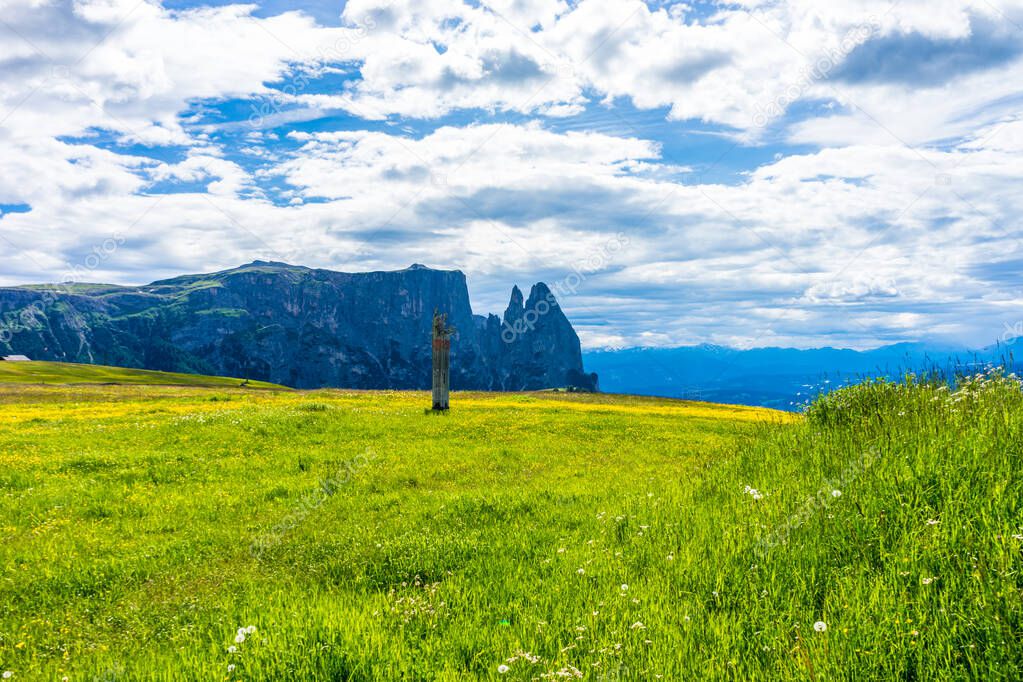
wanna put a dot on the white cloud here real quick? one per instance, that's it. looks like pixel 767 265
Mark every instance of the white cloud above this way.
pixel 862 234
pixel 132 67
pixel 347 164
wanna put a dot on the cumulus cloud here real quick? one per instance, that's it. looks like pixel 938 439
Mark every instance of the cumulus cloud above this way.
pixel 513 139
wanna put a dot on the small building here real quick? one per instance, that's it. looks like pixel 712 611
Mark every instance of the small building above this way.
pixel 15 358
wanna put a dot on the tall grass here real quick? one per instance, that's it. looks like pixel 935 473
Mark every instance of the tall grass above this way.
pixel 916 559
pixel 520 537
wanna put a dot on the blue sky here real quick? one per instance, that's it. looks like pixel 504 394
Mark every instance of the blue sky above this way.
pixel 749 173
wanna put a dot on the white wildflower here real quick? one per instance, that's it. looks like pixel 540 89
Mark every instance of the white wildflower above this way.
pixel 625 588
pixel 232 649
pixel 637 626
pixel 580 571
pixel 820 626
pixel 836 493
pixel 230 668
pixel 239 638
pixel 932 522
pixel 8 674
pixel 250 630
pixel 503 668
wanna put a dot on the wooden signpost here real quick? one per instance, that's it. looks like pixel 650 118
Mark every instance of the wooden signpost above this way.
pixel 441 362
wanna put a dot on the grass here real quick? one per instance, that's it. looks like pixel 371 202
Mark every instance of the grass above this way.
pixel 70 373
pixel 560 535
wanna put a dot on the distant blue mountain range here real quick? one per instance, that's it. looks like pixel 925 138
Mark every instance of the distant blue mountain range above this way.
pixel 783 378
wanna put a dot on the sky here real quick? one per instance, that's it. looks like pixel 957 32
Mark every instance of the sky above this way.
pixel 751 173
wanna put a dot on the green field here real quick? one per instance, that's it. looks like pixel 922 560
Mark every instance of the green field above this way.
pixel 520 537
pixel 70 373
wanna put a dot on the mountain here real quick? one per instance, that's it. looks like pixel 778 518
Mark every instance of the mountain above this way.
pixel 299 327
pixel 783 378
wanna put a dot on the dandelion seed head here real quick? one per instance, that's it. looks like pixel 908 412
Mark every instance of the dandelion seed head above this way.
pixel 503 668
pixel 820 626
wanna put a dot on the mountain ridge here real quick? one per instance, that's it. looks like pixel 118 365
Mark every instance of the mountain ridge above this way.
pixel 783 378
pixel 294 325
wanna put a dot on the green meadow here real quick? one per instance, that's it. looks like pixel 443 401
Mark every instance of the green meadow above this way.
pixel 71 373
pixel 218 532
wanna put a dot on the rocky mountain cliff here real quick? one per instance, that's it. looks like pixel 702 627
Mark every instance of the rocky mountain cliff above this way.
pixel 300 327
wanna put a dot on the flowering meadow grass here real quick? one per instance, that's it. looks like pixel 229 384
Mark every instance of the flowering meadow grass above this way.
pixel 224 534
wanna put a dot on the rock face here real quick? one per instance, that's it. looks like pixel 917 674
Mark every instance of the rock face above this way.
pixel 299 327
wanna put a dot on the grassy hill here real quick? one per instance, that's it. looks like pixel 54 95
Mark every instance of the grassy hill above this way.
pixel 72 373
pixel 520 537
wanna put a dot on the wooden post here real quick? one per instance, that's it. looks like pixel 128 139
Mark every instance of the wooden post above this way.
pixel 441 362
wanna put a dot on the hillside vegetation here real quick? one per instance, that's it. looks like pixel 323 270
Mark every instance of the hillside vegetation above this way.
pixel 183 533
pixel 71 373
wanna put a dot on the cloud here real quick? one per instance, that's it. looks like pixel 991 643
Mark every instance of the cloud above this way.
pixel 344 163
pixel 917 59
pixel 860 238
pixel 132 67
pixel 475 135
pixel 855 290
